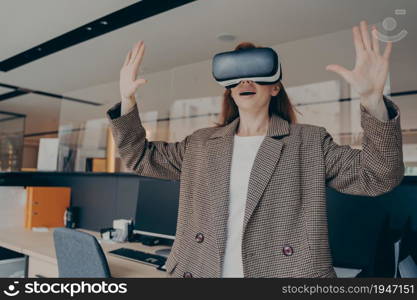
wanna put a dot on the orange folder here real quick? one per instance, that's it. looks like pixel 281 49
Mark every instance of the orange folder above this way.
pixel 45 206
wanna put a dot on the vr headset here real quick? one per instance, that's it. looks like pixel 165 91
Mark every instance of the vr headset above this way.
pixel 260 65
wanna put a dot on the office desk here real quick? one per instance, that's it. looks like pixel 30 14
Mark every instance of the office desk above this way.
pixel 39 247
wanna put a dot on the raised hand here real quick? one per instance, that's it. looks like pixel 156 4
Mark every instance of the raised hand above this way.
pixel 128 81
pixel 371 69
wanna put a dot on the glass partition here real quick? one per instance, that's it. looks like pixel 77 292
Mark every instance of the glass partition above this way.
pixel 171 108
pixel 11 141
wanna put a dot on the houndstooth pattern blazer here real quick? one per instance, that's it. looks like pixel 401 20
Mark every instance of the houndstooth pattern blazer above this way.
pixel 285 223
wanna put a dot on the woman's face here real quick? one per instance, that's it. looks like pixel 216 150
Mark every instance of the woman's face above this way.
pixel 250 96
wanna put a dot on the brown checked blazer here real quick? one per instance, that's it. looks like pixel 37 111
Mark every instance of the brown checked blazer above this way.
pixel 285 224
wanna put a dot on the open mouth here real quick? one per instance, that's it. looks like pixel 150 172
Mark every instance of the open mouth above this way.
pixel 247 93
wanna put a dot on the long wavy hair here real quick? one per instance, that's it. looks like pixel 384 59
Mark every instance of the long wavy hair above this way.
pixel 279 105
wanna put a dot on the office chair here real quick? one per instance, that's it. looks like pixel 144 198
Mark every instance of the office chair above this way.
pixel 79 254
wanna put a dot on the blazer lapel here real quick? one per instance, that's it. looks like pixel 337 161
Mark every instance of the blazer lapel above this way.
pixel 219 153
pixel 219 163
pixel 264 165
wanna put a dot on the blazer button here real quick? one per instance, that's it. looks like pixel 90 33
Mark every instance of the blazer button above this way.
pixel 199 237
pixel 187 275
pixel 287 250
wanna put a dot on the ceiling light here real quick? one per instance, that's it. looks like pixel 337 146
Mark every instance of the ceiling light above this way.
pixel 104 22
pixel 226 37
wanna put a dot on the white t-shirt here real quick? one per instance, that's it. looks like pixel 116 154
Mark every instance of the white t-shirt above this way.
pixel 244 153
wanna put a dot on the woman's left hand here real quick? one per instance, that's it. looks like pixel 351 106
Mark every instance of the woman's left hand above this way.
pixel 371 69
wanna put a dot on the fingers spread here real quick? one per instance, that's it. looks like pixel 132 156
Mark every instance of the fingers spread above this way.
pixel 375 40
pixel 357 39
pixel 345 73
pixel 139 82
pixel 138 58
pixel 388 50
pixel 365 35
pixel 135 51
pixel 127 58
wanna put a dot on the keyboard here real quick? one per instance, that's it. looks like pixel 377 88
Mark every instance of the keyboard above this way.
pixel 139 256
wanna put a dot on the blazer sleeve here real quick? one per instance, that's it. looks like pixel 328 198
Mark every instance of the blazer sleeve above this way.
pixel 154 159
pixel 375 169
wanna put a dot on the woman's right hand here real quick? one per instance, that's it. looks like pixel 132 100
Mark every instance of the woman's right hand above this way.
pixel 128 81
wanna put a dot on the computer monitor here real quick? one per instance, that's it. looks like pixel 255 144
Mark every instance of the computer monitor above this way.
pixel 157 208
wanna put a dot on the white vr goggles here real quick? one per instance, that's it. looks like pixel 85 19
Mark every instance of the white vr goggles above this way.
pixel 260 65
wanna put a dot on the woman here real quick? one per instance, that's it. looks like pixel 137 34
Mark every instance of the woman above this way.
pixel 252 193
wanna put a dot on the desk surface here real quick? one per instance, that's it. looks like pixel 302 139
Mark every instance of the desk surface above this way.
pixel 41 246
